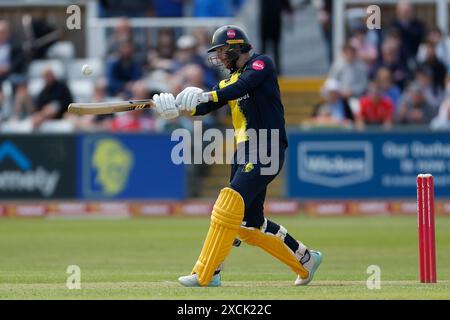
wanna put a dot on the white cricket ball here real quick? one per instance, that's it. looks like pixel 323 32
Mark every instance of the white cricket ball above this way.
pixel 86 69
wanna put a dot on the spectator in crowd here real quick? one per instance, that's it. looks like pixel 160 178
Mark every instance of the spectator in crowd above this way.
pixel 390 60
pixel 132 121
pixel 388 88
pixel 424 79
pixel 40 36
pixel 411 30
pixel 160 57
pixel 5 55
pixel 4 40
pixel 325 15
pixel 99 93
pixel 23 103
pixel 203 39
pixel 437 69
pixel 441 46
pixel 52 101
pixel 414 108
pixel 123 33
pixel 350 72
pixel 442 120
pixel 365 50
pixel 334 111
pixel 187 54
pixel 374 37
pixel 190 75
pixel 271 12
pixel 12 60
pixel 375 109
pixel 137 120
pixel 392 38
pixel 123 71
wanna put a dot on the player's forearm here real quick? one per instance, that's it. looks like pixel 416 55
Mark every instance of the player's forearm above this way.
pixel 201 109
pixel 231 92
pixel 205 108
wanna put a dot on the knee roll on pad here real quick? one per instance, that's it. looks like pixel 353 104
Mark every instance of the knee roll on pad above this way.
pixel 226 220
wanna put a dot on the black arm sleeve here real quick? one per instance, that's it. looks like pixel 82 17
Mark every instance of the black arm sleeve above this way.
pixel 205 108
pixel 251 78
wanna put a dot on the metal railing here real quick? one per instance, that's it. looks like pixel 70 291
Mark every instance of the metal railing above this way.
pixel 96 37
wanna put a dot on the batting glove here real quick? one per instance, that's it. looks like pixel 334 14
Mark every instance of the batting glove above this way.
pixel 165 105
pixel 190 98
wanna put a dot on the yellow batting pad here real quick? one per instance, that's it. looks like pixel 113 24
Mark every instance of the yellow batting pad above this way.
pixel 274 246
pixel 226 220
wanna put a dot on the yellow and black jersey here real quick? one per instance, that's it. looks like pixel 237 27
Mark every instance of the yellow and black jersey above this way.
pixel 253 94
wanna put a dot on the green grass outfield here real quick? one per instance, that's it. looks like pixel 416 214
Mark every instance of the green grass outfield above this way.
pixel 142 258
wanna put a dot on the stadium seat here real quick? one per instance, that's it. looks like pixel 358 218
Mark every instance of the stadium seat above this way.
pixel 81 89
pixel 6 107
pixel 63 50
pixel 354 105
pixel 35 86
pixel 36 67
pixel 17 126
pixel 57 126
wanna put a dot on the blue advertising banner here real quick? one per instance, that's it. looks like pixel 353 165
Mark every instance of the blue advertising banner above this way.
pixel 369 165
pixel 128 166
pixel 38 167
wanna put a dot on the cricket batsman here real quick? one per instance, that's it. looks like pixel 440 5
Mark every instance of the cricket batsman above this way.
pixel 253 94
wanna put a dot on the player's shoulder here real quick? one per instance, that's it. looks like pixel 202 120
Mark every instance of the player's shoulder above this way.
pixel 260 62
pixel 260 56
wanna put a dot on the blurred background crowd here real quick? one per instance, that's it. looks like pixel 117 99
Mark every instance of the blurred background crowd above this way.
pixel 397 75
pixel 389 77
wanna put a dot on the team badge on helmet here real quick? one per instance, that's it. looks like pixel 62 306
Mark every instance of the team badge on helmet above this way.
pixel 231 33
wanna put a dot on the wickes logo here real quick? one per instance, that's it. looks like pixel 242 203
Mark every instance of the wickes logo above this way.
pixel 26 179
pixel 335 164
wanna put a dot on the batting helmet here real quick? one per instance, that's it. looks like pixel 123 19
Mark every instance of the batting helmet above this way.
pixel 230 35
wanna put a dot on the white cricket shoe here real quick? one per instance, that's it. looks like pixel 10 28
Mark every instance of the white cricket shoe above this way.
pixel 311 265
pixel 192 281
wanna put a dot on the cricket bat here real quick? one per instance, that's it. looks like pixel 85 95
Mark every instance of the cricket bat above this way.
pixel 109 107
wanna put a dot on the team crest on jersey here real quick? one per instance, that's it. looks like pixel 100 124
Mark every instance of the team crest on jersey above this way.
pixel 231 33
pixel 258 65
